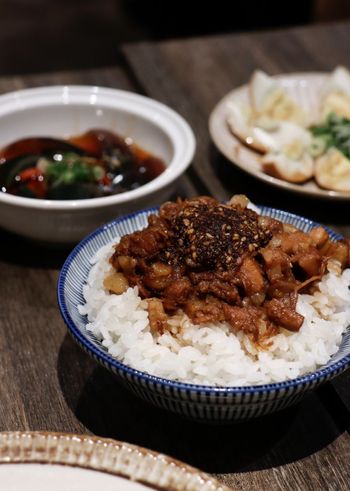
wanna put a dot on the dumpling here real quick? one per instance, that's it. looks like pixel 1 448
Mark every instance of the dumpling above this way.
pixel 270 100
pixel 292 163
pixel 332 171
pixel 262 135
pixel 335 95
pixel 239 120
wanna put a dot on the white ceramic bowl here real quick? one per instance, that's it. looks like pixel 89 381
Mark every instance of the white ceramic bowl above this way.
pixel 63 111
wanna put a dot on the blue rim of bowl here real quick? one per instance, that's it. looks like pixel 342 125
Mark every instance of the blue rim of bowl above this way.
pixel 318 375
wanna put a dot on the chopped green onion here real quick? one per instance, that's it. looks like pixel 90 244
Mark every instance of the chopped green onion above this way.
pixel 335 132
pixel 72 168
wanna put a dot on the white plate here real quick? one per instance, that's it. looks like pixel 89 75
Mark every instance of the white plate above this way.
pixel 41 461
pixel 305 89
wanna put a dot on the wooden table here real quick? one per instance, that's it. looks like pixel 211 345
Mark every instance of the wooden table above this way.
pixel 48 383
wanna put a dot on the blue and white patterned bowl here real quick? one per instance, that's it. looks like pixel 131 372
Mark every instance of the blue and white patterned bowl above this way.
pixel 202 403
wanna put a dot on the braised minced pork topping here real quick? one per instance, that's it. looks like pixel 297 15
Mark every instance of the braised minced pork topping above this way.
pixel 218 262
pixel 210 236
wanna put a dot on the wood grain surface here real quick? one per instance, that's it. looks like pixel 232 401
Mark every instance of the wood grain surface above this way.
pixel 193 75
pixel 47 382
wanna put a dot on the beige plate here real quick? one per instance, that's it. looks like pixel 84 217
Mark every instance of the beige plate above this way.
pixel 72 461
pixel 304 88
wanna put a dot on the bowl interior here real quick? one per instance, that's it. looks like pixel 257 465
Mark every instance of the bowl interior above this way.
pixel 64 120
pixel 77 267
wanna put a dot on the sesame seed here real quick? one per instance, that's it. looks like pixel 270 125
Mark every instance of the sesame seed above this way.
pixel 208 235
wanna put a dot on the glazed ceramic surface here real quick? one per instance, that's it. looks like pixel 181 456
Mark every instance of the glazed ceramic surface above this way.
pixel 40 461
pixel 64 111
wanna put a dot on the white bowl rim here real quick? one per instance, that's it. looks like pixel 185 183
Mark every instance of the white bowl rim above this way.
pixel 173 125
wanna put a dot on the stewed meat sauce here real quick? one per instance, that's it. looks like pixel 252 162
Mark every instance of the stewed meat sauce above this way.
pixel 223 262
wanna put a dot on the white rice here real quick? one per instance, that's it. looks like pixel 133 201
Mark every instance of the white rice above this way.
pixel 212 354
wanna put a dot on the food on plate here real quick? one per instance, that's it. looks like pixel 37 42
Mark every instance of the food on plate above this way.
pixel 239 121
pixel 296 148
pixel 333 133
pixel 94 164
pixel 298 169
pixel 218 294
pixel 331 146
pixel 291 162
pixel 270 102
pixel 271 120
pixel 335 96
pixel 263 134
pixel 332 170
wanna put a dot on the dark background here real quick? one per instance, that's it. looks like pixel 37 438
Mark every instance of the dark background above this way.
pixel 48 35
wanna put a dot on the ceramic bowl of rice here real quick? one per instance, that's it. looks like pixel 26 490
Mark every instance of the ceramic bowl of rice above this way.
pixel 212 375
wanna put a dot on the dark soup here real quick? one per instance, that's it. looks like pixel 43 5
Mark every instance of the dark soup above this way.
pixel 94 164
